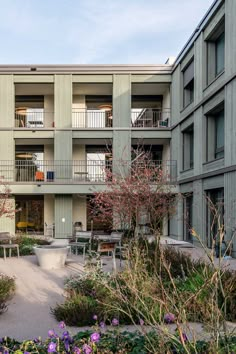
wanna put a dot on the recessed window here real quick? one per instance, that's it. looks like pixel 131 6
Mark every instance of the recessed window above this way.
pixel 215 135
pixel 220 53
pixel 188 148
pixel 188 84
pixel 216 53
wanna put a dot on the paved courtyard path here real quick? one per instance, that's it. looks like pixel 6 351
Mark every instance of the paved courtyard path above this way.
pixel 38 290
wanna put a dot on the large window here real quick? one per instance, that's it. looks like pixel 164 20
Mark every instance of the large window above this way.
pixel 215 135
pixel 188 84
pixel 219 135
pixel 220 54
pixel 188 148
pixel 216 53
pixel 188 217
pixel 215 214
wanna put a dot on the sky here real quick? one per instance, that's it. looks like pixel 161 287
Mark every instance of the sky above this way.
pixel 96 31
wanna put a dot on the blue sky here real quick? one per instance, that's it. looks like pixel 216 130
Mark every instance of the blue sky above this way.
pixel 96 31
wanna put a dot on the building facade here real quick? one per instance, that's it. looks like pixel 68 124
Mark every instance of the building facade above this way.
pixel 203 111
pixel 61 127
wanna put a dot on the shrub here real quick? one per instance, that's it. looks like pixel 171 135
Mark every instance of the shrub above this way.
pixel 77 311
pixel 7 288
pixel 26 245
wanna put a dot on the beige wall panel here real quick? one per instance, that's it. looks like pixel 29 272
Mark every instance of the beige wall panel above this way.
pixel 80 210
pixel 63 101
pixel 7 101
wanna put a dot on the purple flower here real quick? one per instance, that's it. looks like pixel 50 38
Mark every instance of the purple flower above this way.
pixel 95 337
pixel 185 338
pixel 95 317
pixel 141 322
pixel 169 318
pixel 102 324
pixel 26 352
pixel 52 347
pixel 87 349
pixel 115 322
pixel 51 333
pixel 65 334
pixel 77 350
pixel 36 340
pixel 61 325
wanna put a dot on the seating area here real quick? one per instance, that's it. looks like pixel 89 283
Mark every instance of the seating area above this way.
pixel 6 236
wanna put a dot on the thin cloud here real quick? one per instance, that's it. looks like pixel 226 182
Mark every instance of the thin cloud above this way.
pixel 93 31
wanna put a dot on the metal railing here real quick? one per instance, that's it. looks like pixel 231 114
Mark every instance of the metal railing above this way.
pixel 34 119
pixel 150 118
pixel 91 118
pixel 76 171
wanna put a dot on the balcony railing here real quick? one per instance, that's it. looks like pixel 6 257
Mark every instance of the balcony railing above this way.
pixel 70 172
pixel 34 119
pixel 92 118
pixel 150 118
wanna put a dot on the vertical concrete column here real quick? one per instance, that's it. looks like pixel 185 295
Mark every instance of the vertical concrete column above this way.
pixel 230 207
pixel 7 101
pixel 121 119
pixel 230 37
pixel 49 111
pixel 230 126
pixel 63 152
pixel 198 68
pixel 63 216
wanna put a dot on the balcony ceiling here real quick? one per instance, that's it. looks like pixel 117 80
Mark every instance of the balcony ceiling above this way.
pixel 149 89
pixel 92 89
pixel 34 89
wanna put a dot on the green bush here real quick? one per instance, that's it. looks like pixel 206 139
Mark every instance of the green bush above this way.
pixel 77 311
pixel 7 288
pixel 25 245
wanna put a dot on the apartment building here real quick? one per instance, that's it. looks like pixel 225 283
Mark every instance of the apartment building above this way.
pixel 203 139
pixel 62 126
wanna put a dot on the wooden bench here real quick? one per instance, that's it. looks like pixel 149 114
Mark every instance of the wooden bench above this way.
pixel 6 236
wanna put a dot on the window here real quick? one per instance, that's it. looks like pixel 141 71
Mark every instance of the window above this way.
pixel 188 217
pixel 215 135
pixel 219 135
pixel 188 148
pixel 216 53
pixel 220 54
pixel 188 84
pixel 215 213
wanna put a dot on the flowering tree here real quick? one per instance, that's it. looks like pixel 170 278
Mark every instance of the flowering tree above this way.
pixel 6 206
pixel 138 193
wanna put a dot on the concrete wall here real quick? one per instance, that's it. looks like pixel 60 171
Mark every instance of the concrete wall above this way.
pixel 49 111
pixel 205 175
pixel 49 217
pixel 80 210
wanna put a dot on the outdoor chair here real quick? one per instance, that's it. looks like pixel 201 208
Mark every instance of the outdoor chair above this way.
pixel 109 248
pixel 117 237
pixel 6 236
pixel 82 241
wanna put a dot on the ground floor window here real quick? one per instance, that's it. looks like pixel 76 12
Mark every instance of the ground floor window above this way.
pixel 215 214
pixel 30 218
pixel 188 217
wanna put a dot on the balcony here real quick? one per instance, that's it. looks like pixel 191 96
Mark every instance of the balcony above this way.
pixel 150 118
pixel 92 118
pixel 72 172
pixel 27 118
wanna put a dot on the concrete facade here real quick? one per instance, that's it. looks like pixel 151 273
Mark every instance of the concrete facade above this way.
pixel 209 174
